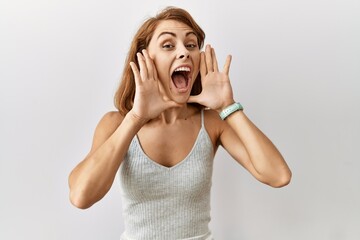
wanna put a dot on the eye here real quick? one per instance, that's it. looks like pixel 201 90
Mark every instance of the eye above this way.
pixel 191 45
pixel 167 46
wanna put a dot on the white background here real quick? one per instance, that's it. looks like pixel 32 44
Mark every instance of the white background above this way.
pixel 296 69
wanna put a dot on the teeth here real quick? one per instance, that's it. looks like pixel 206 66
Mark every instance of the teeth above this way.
pixel 183 69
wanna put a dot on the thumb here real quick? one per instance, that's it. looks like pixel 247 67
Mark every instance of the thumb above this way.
pixel 194 99
pixel 171 104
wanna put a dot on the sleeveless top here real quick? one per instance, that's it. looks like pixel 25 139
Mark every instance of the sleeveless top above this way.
pixel 165 203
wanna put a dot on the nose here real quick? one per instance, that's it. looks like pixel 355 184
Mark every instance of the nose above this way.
pixel 183 53
pixel 184 56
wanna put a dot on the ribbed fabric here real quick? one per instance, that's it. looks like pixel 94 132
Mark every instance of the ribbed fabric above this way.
pixel 165 203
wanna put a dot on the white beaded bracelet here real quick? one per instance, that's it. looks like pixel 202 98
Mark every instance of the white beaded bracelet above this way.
pixel 230 110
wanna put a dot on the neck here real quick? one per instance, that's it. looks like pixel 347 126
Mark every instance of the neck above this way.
pixel 171 115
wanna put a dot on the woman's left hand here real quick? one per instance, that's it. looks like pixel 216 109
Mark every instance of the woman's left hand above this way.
pixel 216 88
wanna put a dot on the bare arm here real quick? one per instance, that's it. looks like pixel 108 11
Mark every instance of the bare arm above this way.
pixel 255 151
pixel 92 178
pixel 239 136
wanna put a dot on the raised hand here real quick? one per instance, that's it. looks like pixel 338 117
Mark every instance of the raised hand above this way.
pixel 216 88
pixel 150 101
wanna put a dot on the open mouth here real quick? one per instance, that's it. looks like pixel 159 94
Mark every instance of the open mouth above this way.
pixel 180 77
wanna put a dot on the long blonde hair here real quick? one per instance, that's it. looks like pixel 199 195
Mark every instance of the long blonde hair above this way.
pixel 124 96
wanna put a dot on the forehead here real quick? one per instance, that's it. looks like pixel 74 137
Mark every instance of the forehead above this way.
pixel 171 26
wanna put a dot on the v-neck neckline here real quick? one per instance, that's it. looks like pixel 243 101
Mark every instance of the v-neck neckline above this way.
pixel 178 163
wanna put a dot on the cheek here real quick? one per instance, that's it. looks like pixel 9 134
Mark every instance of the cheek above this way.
pixel 159 65
pixel 196 59
pixel 161 61
pixel 151 54
pixel 197 63
pixel 162 69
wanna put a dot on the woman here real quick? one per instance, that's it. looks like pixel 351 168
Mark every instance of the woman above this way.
pixel 163 139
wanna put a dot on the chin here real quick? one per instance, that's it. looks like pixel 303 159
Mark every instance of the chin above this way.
pixel 181 100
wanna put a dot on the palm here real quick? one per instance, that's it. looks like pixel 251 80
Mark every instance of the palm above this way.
pixel 149 100
pixel 216 88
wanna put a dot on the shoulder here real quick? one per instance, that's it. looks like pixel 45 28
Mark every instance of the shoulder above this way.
pixel 112 118
pixel 108 123
pixel 105 128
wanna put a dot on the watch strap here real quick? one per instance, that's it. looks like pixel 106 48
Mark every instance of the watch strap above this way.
pixel 230 110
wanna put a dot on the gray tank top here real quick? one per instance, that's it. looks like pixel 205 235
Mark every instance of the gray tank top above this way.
pixel 165 203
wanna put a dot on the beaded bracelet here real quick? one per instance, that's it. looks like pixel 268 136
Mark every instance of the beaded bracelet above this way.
pixel 230 110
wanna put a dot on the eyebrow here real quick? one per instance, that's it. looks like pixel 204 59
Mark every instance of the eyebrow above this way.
pixel 174 35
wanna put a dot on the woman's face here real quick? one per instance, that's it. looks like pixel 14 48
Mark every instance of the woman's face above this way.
pixel 176 55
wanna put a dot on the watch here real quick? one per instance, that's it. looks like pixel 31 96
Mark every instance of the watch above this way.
pixel 230 110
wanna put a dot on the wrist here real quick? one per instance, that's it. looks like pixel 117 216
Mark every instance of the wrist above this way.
pixel 225 104
pixel 230 109
pixel 135 118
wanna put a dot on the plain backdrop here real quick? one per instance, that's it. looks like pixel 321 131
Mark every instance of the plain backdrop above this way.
pixel 295 68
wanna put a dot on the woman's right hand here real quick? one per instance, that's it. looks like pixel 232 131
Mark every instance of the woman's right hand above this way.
pixel 149 101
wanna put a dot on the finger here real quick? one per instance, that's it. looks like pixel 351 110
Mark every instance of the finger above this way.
pixel 202 65
pixel 227 64
pixel 149 64
pixel 136 73
pixel 208 59
pixel 214 60
pixel 142 65
pixel 193 99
